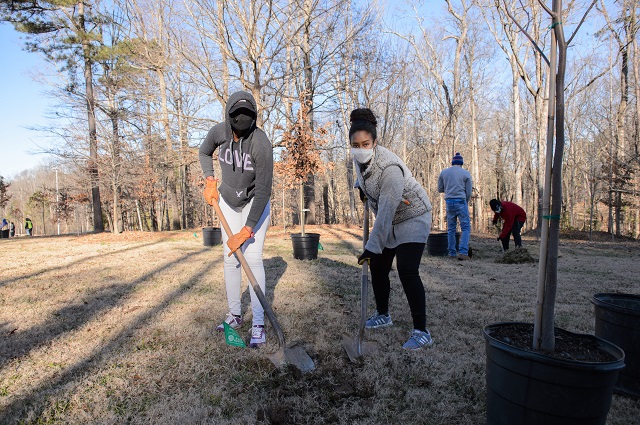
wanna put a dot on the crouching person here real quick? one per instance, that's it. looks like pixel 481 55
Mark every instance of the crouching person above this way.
pixel 513 217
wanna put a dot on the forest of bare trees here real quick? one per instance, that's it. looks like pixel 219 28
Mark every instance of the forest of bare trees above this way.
pixel 137 84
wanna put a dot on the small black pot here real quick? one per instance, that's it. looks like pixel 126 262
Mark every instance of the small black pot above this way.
pixel 305 247
pixel 211 236
pixel 438 244
pixel 530 388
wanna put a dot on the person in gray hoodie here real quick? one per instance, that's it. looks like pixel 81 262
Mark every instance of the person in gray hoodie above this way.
pixel 456 184
pixel 246 163
pixel 403 220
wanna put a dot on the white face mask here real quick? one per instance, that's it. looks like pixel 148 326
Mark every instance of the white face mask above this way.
pixel 362 155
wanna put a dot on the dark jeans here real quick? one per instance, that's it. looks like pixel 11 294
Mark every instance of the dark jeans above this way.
pixel 408 258
pixel 515 231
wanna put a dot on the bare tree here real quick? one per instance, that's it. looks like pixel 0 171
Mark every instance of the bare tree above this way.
pixel 624 36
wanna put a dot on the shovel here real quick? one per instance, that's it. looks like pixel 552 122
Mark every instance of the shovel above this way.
pixel 356 348
pixel 293 356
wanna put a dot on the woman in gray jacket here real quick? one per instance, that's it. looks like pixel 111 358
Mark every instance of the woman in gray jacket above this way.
pixel 403 220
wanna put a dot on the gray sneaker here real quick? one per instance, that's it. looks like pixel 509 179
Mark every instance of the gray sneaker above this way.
pixel 378 321
pixel 418 340
pixel 232 320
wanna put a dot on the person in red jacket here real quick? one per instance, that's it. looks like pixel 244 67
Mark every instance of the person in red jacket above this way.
pixel 513 217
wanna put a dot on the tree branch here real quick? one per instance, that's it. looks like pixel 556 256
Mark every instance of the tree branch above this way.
pixel 524 31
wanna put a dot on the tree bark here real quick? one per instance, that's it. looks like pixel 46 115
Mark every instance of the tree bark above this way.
pixel 98 225
pixel 172 194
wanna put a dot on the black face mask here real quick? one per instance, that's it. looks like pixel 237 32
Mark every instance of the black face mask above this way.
pixel 242 121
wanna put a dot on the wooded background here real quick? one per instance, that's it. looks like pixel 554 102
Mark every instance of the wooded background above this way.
pixel 138 84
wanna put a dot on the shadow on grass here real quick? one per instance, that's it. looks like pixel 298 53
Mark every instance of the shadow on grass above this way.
pixel 35 402
pixel 348 245
pixel 345 279
pixel 274 268
pixel 73 263
pixel 74 316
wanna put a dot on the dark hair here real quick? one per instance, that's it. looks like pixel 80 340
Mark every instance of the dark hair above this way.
pixel 362 119
pixel 494 204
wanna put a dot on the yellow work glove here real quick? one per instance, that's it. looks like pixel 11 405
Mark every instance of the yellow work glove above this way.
pixel 238 239
pixel 211 190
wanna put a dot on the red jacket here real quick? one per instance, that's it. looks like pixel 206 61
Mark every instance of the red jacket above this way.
pixel 509 214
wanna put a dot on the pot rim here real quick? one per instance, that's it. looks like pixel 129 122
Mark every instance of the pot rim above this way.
pixel 540 357
pixel 603 299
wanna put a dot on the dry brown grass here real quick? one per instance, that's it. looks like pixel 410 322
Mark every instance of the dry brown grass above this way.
pixel 118 329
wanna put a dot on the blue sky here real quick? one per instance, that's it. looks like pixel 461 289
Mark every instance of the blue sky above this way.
pixel 22 104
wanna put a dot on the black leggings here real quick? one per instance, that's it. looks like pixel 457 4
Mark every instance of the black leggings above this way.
pixel 408 258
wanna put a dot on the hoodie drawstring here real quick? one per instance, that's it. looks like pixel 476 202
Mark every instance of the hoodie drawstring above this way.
pixel 233 160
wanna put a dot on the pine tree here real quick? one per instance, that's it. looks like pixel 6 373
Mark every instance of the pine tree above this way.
pixel 67 33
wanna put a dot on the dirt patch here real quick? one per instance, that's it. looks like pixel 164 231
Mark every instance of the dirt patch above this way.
pixel 516 256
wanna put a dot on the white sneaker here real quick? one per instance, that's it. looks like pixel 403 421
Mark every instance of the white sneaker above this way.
pixel 258 336
pixel 232 320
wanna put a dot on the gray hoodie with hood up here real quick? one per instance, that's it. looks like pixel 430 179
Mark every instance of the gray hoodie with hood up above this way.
pixel 246 165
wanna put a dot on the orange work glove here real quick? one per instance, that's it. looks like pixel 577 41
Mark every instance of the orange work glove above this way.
pixel 211 191
pixel 238 239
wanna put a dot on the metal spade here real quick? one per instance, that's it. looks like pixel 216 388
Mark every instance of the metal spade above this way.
pixel 357 347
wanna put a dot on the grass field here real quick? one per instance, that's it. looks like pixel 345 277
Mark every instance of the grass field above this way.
pixel 111 329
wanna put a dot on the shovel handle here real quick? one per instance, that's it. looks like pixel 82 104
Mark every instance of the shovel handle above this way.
pixel 254 283
pixel 364 287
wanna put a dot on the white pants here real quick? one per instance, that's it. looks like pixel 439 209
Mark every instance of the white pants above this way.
pixel 252 250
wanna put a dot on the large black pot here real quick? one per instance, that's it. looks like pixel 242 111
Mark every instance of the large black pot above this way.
pixel 305 247
pixel 438 244
pixel 211 236
pixel 527 388
pixel 618 321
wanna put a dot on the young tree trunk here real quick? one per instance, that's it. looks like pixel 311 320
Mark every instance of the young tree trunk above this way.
pixel 551 279
pixel 543 304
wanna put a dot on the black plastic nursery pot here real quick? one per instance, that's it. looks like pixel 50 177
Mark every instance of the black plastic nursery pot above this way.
pixel 438 244
pixel 305 247
pixel 211 236
pixel 618 321
pixel 526 387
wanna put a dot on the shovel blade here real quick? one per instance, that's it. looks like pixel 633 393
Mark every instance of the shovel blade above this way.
pixel 350 345
pixel 294 356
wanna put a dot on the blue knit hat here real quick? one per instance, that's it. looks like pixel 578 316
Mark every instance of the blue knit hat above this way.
pixel 457 159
